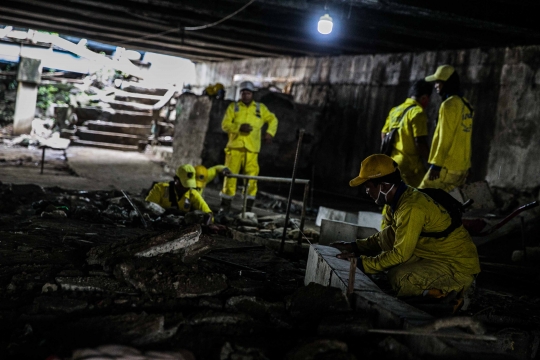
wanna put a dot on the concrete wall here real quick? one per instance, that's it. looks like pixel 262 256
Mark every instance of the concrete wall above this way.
pixel 355 93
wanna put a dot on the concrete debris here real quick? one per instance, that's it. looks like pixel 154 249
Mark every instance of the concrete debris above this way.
pixel 233 352
pixel 122 352
pixel 56 214
pixel 49 288
pixel 102 284
pixel 315 301
pixel 185 239
pixel 321 349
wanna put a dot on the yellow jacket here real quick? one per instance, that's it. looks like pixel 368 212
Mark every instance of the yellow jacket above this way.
pixel 239 113
pixel 412 125
pixel 190 200
pixel 451 146
pixel 416 212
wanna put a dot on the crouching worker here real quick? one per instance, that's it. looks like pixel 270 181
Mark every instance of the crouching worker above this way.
pixel 180 194
pixel 206 175
pixel 418 261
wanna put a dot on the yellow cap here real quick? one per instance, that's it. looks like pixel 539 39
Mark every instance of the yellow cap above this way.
pixel 186 174
pixel 442 73
pixel 219 86
pixel 374 166
pixel 201 175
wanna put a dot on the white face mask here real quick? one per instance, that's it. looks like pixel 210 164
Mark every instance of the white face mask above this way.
pixel 381 198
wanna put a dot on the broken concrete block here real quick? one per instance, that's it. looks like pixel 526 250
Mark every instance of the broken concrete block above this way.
pixel 248 229
pixel 250 219
pixel 101 284
pixel 58 304
pixel 337 215
pixel 131 328
pixel 56 214
pixel 314 301
pixel 186 239
pixel 49 288
pixel 332 231
pixel 154 208
pixel 333 349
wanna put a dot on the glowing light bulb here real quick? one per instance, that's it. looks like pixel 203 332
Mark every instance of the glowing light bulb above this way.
pixel 325 24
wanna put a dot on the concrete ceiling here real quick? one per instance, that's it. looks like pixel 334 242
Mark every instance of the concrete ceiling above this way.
pixel 271 28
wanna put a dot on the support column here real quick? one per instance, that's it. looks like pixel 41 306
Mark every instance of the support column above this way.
pixel 29 77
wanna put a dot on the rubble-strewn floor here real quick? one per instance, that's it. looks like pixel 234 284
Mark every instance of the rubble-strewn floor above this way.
pixel 79 270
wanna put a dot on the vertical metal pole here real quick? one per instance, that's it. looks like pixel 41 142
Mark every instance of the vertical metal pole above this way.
pixel 312 185
pixel 303 216
pixel 42 159
pixel 244 205
pixel 287 213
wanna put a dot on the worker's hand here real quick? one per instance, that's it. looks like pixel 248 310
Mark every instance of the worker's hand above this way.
pixel 434 174
pixel 268 138
pixel 246 128
pixel 226 172
pixel 345 247
pixel 208 218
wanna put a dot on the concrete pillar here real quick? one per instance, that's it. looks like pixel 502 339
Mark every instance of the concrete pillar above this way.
pixel 28 76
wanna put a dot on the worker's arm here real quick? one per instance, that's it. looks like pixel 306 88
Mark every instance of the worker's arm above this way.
pixel 228 124
pixel 197 202
pixel 444 134
pixel 409 226
pixel 360 246
pixel 386 128
pixel 156 195
pixel 420 132
pixel 269 118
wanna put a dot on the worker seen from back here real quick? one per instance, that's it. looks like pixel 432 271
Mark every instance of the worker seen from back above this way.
pixel 205 175
pixel 450 154
pixel 423 251
pixel 243 122
pixel 409 149
pixel 179 194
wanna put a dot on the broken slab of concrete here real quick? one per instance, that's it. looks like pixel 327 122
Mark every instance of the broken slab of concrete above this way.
pixel 332 231
pixel 122 352
pixel 93 283
pixel 386 311
pixel 167 242
pixel 337 215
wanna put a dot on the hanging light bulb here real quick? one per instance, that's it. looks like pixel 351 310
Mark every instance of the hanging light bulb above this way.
pixel 325 24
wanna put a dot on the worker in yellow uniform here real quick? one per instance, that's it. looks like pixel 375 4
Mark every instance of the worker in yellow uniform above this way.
pixel 180 193
pixel 417 261
pixel 409 148
pixel 450 154
pixel 243 122
pixel 205 175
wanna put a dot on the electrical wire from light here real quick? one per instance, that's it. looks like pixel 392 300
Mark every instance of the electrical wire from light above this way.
pixel 189 28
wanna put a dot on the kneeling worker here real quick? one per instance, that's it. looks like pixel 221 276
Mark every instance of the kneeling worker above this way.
pixel 206 175
pixel 180 193
pixel 417 263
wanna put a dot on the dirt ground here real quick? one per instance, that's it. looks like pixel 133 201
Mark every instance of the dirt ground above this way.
pixel 70 276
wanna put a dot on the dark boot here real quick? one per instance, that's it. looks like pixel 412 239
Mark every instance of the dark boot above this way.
pixel 249 204
pixel 225 206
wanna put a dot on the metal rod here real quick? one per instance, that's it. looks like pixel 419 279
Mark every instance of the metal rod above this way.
pixel 523 237
pixel 352 275
pixel 42 159
pixel 268 178
pixel 303 216
pixel 136 209
pixel 244 205
pixel 288 211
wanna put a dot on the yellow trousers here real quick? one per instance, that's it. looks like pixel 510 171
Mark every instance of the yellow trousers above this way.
pixel 448 180
pixel 240 161
pixel 416 275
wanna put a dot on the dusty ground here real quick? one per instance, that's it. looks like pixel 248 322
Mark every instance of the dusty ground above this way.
pixel 76 281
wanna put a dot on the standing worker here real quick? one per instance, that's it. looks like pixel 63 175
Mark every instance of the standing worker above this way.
pixel 450 154
pixel 409 149
pixel 205 175
pixel 243 122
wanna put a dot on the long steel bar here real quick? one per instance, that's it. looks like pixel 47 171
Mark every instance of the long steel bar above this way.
pixel 289 201
pixel 136 209
pixel 268 178
pixel 303 216
pixel 445 335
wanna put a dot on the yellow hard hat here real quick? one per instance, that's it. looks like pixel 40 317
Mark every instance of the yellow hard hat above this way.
pixel 210 90
pixel 186 174
pixel 219 86
pixel 442 73
pixel 201 176
pixel 374 166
